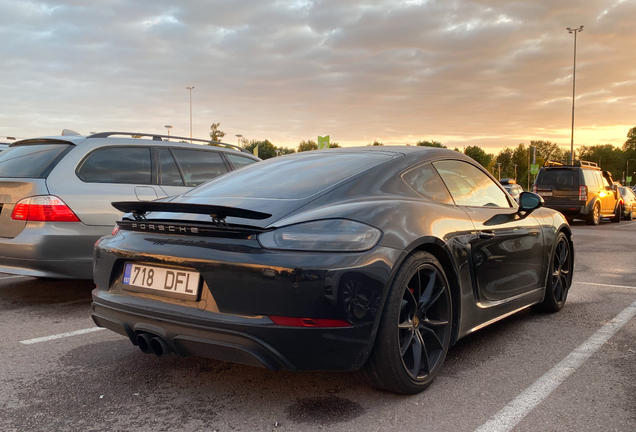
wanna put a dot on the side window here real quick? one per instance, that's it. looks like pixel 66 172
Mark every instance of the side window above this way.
pixel 170 175
pixel 425 181
pixel 590 181
pixel 469 186
pixel 602 181
pixel 199 166
pixel 117 165
pixel 239 161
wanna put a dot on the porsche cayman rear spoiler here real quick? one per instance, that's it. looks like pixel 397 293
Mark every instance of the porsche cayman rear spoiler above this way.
pixel 140 208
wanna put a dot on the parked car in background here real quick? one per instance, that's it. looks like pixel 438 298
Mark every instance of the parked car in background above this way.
pixel 628 202
pixel 370 258
pixel 56 192
pixel 579 191
pixel 511 186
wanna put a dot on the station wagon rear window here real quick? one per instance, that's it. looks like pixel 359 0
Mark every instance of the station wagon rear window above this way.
pixel 30 161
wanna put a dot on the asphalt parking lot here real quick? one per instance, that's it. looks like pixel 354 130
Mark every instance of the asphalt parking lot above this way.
pixel 575 370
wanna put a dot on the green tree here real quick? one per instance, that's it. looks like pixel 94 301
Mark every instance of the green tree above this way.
pixel 547 150
pixel 266 149
pixel 520 158
pixel 504 157
pixel 281 151
pixel 478 154
pixel 307 146
pixel 375 143
pixel 334 145
pixel 431 143
pixel 216 134
pixel 610 158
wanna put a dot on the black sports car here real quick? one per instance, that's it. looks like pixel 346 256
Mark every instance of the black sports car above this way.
pixel 370 259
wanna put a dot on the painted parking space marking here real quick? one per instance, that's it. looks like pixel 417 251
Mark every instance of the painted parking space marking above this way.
pixel 510 415
pixel 61 335
pixel 12 277
pixel 605 285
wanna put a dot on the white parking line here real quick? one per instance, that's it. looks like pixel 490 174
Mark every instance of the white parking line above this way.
pixel 13 277
pixel 61 335
pixel 606 285
pixel 510 415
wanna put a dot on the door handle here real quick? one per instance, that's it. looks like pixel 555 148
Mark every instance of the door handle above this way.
pixel 486 235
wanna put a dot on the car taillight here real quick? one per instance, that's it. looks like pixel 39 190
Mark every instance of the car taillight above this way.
pixel 534 188
pixel 582 193
pixel 46 208
pixel 307 322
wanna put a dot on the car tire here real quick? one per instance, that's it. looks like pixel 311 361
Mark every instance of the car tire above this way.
pixel 415 328
pixel 630 215
pixel 594 217
pixel 560 272
pixel 618 214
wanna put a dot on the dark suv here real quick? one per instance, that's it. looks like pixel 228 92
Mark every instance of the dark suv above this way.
pixel 579 191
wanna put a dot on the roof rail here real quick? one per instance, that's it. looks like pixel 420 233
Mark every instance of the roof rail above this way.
pixel 576 163
pixel 158 137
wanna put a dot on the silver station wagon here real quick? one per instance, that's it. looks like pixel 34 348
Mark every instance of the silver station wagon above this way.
pixel 56 192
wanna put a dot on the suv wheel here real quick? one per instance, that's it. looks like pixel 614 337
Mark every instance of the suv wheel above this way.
pixel 594 217
pixel 630 216
pixel 618 214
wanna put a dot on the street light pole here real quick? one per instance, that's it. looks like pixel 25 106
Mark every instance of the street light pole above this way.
pixel 168 127
pixel 499 166
pixel 238 138
pixel 575 31
pixel 515 165
pixel 190 88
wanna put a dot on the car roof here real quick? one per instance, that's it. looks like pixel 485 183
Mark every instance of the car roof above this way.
pixel 157 140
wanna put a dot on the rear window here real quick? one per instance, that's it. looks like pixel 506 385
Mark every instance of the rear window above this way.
pixel 291 177
pixel 30 161
pixel 559 179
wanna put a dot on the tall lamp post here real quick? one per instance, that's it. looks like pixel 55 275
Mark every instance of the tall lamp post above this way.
pixel 627 170
pixel 515 165
pixel 499 166
pixel 190 88
pixel 168 127
pixel 575 31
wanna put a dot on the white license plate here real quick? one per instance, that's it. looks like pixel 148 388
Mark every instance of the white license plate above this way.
pixel 162 280
pixel 545 193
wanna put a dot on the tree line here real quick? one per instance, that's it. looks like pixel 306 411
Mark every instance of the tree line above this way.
pixel 510 162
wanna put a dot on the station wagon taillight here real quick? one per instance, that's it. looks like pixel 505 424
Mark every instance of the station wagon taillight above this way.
pixel 534 188
pixel 582 193
pixel 46 208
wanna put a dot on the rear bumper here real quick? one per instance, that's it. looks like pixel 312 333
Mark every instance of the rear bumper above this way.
pixel 55 250
pixel 241 286
pixel 233 339
pixel 568 209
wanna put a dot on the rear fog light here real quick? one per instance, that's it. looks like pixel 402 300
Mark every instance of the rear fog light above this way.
pixel 308 322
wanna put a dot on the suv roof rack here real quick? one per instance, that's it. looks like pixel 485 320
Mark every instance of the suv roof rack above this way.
pixel 575 163
pixel 157 137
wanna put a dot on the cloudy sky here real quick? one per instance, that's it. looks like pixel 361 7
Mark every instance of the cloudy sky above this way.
pixel 492 73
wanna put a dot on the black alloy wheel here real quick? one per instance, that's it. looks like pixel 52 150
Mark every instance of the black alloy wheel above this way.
pixel 560 276
pixel 594 217
pixel 415 330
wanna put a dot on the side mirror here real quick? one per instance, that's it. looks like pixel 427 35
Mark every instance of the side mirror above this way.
pixel 529 201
